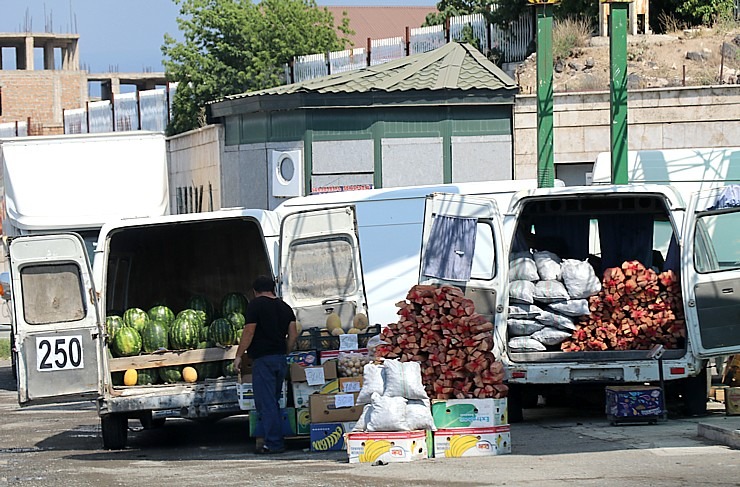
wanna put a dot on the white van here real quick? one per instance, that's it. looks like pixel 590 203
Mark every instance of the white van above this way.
pixel 631 220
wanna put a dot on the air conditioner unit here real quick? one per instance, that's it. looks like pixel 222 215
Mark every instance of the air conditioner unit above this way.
pixel 287 173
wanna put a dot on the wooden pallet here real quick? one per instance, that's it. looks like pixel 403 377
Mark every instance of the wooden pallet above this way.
pixel 169 358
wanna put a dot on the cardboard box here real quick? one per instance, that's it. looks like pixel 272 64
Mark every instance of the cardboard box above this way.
pixel 257 429
pixel 387 447
pixel 326 355
pixel 732 400
pixel 470 413
pixel 302 391
pixel 329 436
pixel 331 387
pixel 350 384
pixel 306 359
pixel 302 421
pixel 472 442
pixel 322 408
pixel 298 372
pixel 633 402
pixel 245 394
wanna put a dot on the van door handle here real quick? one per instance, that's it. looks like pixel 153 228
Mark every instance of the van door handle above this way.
pixel 332 301
pixel 728 290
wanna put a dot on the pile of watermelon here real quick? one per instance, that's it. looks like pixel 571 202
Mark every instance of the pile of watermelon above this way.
pixel 200 325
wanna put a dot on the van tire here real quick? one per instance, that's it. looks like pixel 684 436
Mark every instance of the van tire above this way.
pixel 695 394
pixel 115 431
pixel 149 423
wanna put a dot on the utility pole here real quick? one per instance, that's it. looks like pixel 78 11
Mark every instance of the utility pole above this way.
pixel 618 21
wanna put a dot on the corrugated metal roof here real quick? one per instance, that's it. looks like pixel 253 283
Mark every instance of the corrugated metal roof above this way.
pixel 454 66
pixel 380 22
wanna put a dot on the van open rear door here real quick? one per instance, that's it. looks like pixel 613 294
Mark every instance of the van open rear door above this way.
pixel 320 266
pixel 56 320
pixel 462 245
pixel 711 263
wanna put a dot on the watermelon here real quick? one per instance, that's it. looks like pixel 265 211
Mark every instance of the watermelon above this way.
pixel 208 370
pixel 147 376
pixel 193 315
pixel 236 319
pixel 201 303
pixel 204 333
pixel 184 334
pixel 163 314
pixel 202 317
pixel 135 318
pixel 154 336
pixel 238 336
pixel 234 302
pixel 227 368
pixel 222 332
pixel 127 342
pixel 112 324
pixel 116 378
pixel 170 374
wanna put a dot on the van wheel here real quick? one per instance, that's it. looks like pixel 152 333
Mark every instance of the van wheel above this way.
pixel 115 431
pixel 149 423
pixel 695 394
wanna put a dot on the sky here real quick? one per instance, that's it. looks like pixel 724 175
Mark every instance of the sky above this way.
pixel 119 36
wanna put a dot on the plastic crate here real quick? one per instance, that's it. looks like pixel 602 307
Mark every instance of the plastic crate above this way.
pixel 312 339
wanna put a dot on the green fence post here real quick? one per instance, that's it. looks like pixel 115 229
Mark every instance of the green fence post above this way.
pixel 618 21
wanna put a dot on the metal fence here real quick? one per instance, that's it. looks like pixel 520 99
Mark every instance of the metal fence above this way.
pixel 510 41
pixel 13 129
pixel 143 110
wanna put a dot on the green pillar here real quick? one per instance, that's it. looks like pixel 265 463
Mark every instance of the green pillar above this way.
pixel 618 20
pixel 545 157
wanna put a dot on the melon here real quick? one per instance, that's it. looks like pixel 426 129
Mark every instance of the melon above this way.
pixel 333 322
pixel 337 332
pixel 222 332
pixel 184 333
pixel 127 342
pixel 170 374
pixel 147 377
pixel 228 369
pixel 116 378
pixel 113 323
pixel 190 314
pixel 189 374
pixel 161 313
pixel 360 321
pixel 234 302
pixel 206 370
pixel 154 336
pixel 354 331
pixel 298 327
pixel 201 303
pixel 236 319
pixel 130 377
pixel 135 318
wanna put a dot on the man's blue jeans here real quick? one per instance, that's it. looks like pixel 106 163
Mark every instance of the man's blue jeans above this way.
pixel 268 375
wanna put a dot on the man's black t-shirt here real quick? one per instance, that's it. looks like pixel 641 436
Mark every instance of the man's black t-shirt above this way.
pixel 272 317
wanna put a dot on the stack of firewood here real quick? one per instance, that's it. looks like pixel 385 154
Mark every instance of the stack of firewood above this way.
pixel 439 328
pixel 636 309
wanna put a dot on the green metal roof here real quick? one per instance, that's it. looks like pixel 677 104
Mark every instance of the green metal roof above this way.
pixel 455 70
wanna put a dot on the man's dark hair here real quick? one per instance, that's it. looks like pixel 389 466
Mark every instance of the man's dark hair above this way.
pixel 263 284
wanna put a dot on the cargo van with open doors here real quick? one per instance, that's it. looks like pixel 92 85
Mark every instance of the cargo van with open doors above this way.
pixel 60 304
pixel 695 266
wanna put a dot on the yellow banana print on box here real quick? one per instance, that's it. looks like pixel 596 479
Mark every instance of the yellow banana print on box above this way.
pixel 461 444
pixel 374 449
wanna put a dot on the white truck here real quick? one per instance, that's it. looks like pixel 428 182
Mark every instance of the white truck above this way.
pixel 619 223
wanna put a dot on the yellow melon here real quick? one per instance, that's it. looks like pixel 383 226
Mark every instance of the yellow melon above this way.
pixel 333 322
pixel 337 331
pixel 298 327
pixel 354 331
pixel 130 377
pixel 360 321
pixel 189 374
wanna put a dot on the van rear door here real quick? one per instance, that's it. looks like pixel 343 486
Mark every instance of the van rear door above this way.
pixel 462 245
pixel 320 266
pixel 56 319
pixel 711 270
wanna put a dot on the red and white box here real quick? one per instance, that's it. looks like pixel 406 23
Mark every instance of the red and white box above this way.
pixel 472 442
pixel 387 447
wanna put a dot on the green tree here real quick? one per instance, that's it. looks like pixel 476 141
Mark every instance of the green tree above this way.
pixel 234 46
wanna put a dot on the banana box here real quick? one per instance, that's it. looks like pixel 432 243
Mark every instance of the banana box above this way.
pixel 329 436
pixel 302 421
pixel 470 413
pixel 302 393
pixel 245 394
pixel 472 442
pixel 387 447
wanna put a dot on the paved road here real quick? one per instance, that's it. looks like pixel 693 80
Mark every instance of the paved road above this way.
pixel 49 446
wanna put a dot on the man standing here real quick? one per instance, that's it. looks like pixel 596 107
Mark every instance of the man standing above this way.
pixel 269 334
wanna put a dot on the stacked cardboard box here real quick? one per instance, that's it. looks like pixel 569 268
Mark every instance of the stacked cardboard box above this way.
pixel 471 427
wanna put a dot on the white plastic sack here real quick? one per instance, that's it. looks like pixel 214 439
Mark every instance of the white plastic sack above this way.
pixel 522 327
pixel 525 344
pixel 579 278
pixel 524 310
pixel 548 265
pixel 361 424
pixel 372 381
pixel 549 291
pixel 572 307
pixel 373 343
pixel 389 414
pixel 556 320
pixel 522 267
pixel 419 415
pixel 551 336
pixel 403 379
pixel 522 291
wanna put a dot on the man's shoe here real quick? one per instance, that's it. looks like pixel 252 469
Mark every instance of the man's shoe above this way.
pixel 266 451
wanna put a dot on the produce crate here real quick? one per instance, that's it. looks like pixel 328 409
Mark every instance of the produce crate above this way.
pixel 634 404
pixel 312 339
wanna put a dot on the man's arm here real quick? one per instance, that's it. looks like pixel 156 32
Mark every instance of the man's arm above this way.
pixel 292 336
pixel 244 343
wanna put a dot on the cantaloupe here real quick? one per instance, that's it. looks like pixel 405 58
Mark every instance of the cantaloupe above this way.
pixel 189 374
pixel 360 321
pixel 337 331
pixel 333 322
pixel 354 331
pixel 130 377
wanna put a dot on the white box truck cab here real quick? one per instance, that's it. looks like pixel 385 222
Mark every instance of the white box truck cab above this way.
pixel 604 225
pixel 60 302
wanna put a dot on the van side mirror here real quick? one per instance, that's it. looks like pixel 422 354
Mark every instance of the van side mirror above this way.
pixel 5 285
